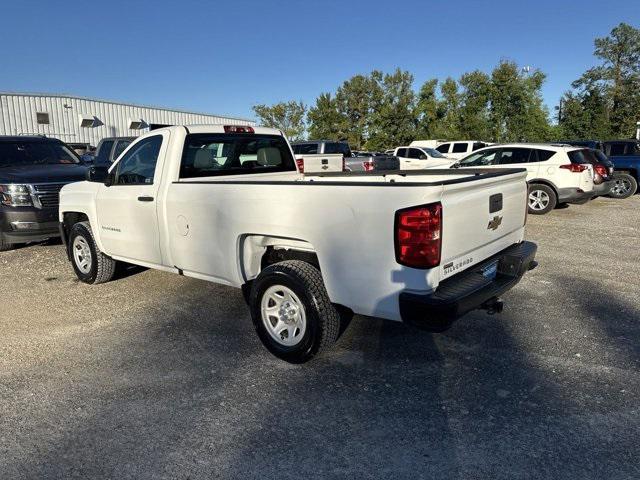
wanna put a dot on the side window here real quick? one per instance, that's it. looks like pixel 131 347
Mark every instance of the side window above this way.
pixel 138 166
pixel 510 156
pixel 120 147
pixel 616 148
pixel 478 146
pixel 102 158
pixel 415 153
pixel 459 148
pixel 305 149
pixel 541 155
pixel 402 152
pixel 444 148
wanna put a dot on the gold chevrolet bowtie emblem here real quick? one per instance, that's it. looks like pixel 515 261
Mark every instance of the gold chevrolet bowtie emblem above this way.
pixel 495 223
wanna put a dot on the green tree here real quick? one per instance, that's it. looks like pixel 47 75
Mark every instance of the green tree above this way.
pixel 584 115
pixel 393 111
pixel 448 125
pixel 517 112
pixel 474 120
pixel 426 111
pixel 356 99
pixel 287 116
pixel 324 119
pixel 617 78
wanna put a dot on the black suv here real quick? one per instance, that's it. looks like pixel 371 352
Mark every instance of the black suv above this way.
pixel 32 172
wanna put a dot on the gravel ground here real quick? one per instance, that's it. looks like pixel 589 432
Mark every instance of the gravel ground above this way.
pixel 159 376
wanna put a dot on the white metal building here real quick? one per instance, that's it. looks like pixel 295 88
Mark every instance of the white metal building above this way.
pixel 87 120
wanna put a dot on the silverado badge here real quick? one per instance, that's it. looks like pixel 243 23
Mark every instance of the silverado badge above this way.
pixel 495 223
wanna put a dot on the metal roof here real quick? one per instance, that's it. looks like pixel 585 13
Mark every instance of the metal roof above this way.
pixel 115 102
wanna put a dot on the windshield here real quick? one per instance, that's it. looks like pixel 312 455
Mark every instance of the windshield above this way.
pixel 432 152
pixel 35 153
pixel 481 158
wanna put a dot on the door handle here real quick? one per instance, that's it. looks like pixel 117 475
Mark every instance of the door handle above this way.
pixel 145 199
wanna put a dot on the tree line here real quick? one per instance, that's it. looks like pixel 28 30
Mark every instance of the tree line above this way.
pixel 381 110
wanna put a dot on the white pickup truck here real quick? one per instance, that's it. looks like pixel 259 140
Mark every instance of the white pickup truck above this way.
pixel 227 204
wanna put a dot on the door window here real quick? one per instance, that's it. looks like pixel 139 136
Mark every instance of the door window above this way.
pixel 120 147
pixel 138 165
pixel 510 156
pixel 444 148
pixel 415 153
pixel 616 148
pixel 102 158
pixel 459 148
pixel 402 152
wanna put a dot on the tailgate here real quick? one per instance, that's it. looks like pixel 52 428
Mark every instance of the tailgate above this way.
pixel 331 162
pixel 481 218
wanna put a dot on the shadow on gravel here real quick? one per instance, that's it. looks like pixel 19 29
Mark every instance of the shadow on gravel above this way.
pixel 189 393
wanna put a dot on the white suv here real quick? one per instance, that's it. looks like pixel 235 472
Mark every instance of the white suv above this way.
pixel 556 174
pixel 416 158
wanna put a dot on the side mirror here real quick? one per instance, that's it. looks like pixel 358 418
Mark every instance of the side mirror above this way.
pixel 423 157
pixel 98 174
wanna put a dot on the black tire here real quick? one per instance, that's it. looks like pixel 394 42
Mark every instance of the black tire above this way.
pixel 625 186
pixel 4 246
pixel 101 268
pixel 546 199
pixel 322 317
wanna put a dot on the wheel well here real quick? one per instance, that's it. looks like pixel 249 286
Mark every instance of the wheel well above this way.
pixel 274 255
pixel 544 182
pixel 69 219
pixel 631 171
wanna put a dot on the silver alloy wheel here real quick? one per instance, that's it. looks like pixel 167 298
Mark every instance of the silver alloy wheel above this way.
pixel 283 315
pixel 538 200
pixel 82 254
pixel 622 186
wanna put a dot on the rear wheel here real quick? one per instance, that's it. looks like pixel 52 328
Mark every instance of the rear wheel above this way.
pixel 542 199
pixel 89 263
pixel 625 186
pixel 291 311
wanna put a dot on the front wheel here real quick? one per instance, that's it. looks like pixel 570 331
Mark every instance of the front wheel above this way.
pixel 4 246
pixel 90 264
pixel 625 186
pixel 542 199
pixel 291 311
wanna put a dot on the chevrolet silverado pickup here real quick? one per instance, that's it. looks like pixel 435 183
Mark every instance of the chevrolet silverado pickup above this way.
pixel 227 204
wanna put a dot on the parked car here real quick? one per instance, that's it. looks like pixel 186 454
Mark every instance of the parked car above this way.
pixel 460 149
pixel 625 155
pixel 603 169
pixel 555 173
pixel 110 148
pixel 414 158
pixel 32 172
pixel 305 249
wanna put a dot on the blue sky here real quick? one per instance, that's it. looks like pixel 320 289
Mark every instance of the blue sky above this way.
pixel 225 56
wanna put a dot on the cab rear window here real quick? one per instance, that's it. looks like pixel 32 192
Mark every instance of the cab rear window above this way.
pixel 208 155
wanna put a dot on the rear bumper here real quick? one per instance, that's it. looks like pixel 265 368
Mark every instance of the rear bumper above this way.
pixel 28 224
pixel 604 188
pixel 574 195
pixel 468 290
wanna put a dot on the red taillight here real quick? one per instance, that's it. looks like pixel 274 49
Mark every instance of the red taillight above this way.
pixel 238 129
pixel 368 165
pixel 601 170
pixel 575 167
pixel 300 164
pixel 419 236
